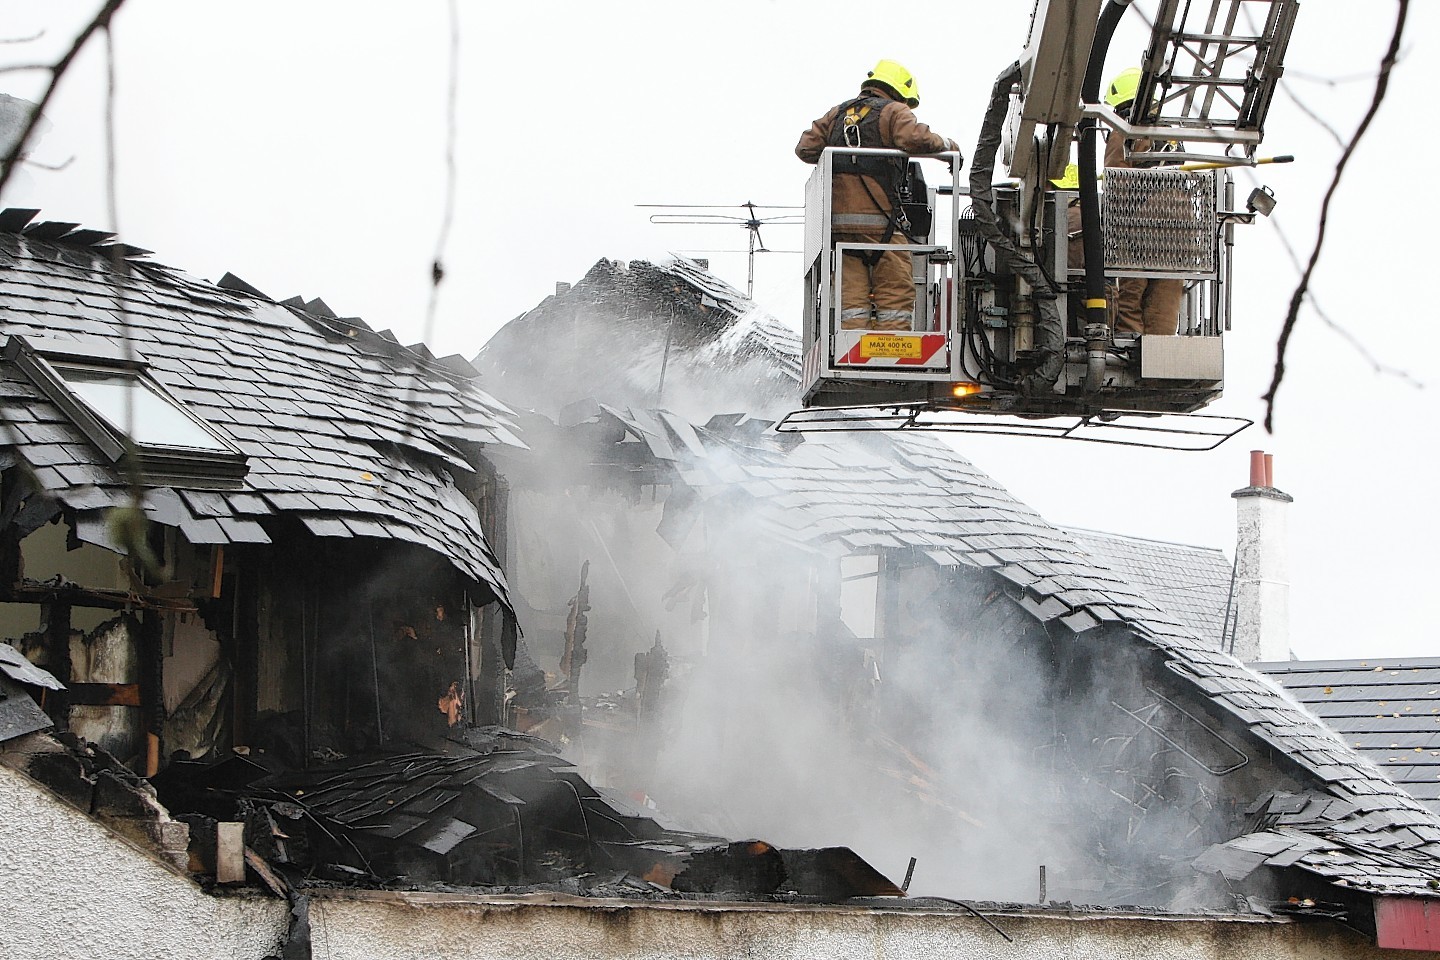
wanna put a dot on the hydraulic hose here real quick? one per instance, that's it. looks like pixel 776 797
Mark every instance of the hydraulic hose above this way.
pixel 1095 307
pixel 1049 328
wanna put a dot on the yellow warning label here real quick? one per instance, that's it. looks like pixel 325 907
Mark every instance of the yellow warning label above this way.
pixel 879 345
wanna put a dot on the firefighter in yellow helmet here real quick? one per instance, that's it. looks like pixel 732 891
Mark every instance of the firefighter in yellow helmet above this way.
pixel 1144 304
pixel 877 289
pixel 1075 247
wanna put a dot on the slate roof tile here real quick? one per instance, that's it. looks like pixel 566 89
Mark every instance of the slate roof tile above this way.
pixel 952 513
pixel 272 378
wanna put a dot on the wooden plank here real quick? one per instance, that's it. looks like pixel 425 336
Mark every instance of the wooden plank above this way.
pixel 229 852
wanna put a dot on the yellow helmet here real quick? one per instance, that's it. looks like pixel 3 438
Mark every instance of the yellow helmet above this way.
pixel 1071 180
pixel 897 78
pixel 1123 87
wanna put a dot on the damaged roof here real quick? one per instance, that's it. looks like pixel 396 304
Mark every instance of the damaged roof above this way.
pixel 1386 709
pixel 870 492
pixel 342 428
pixel 655 334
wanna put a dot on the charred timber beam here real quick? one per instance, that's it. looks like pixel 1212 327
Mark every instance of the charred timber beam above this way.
pixel 77 596
pixel 104 694
pixel 152 687
pixel 55 625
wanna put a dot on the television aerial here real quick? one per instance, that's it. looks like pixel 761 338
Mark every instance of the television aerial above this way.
pixel 755 216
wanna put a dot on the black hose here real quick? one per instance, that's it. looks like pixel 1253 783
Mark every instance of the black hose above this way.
pixel 1095 311
pixel 1049 327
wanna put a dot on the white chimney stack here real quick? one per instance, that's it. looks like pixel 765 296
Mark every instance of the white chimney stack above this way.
pixel 1262 567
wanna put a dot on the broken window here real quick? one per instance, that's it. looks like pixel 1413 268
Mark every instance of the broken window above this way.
pixel 111 396
pixel 859 591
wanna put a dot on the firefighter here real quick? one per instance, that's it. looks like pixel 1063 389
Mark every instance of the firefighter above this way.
pixel 877 289
pixel 1148 305
pixel 1074 236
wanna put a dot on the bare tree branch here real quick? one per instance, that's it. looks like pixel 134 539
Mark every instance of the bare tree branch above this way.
pixel 1319 120
pixel 1382 83
pixel 1342 331
pixel 111 202
pixel 447 216
pixel 437 266
pixel 1328 81
pixel 41 165
pixel 57 72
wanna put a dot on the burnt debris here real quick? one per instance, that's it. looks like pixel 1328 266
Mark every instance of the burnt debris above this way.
pixel 498 811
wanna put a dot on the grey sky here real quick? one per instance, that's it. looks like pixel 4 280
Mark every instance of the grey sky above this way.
pixel 300 146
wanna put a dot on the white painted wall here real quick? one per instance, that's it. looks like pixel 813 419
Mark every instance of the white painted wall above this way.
pixel 426 927
pixel 72 889
pixel 1262 575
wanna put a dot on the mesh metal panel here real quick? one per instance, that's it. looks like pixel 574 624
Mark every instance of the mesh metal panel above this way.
pixel 1159 222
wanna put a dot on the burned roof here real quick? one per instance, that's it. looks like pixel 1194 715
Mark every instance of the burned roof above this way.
pixel 870 492
pixel 341 427
pixel 1191 582
pixel 667 334
pixel 1386 709
pixel 499 810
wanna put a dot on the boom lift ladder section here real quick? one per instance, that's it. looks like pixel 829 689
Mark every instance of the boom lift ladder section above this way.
pixel 1051 70
pixel 1210 72
pixel 1209 76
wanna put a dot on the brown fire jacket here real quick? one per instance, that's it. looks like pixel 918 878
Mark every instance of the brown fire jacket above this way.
pixel 898 130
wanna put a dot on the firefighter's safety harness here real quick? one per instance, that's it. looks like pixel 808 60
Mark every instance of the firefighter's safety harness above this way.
pixel 857 124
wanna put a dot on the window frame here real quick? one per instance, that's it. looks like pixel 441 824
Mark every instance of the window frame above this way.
pixel 158 464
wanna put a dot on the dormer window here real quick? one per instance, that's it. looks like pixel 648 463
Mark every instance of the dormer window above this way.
pixel 110 395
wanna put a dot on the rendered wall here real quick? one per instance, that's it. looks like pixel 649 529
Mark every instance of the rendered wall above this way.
pixel 73 889
pixel 400 927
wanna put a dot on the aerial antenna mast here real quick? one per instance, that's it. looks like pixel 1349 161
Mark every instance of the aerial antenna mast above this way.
pixel 752 220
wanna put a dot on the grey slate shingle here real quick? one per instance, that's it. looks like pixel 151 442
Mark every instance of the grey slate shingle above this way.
pixel 313 403
pixel 1053 575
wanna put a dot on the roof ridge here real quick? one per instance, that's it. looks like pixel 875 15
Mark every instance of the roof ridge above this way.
pixel 1069 528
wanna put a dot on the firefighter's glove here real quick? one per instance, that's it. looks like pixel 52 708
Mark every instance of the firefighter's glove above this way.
pixel 957 161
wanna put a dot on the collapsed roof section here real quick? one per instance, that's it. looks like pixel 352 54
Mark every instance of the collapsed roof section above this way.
pixel 497 810
pixel 668 334
pixel 338 426
pixel 856 494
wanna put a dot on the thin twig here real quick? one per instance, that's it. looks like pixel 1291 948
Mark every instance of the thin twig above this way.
pixel 1382 83
pixel 52 167
pixel 1318 120
pixel 437 266
pixel 447 214
pixel 101 19
pixel 1343 332
pixel 1285 241
pixel 1328 81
